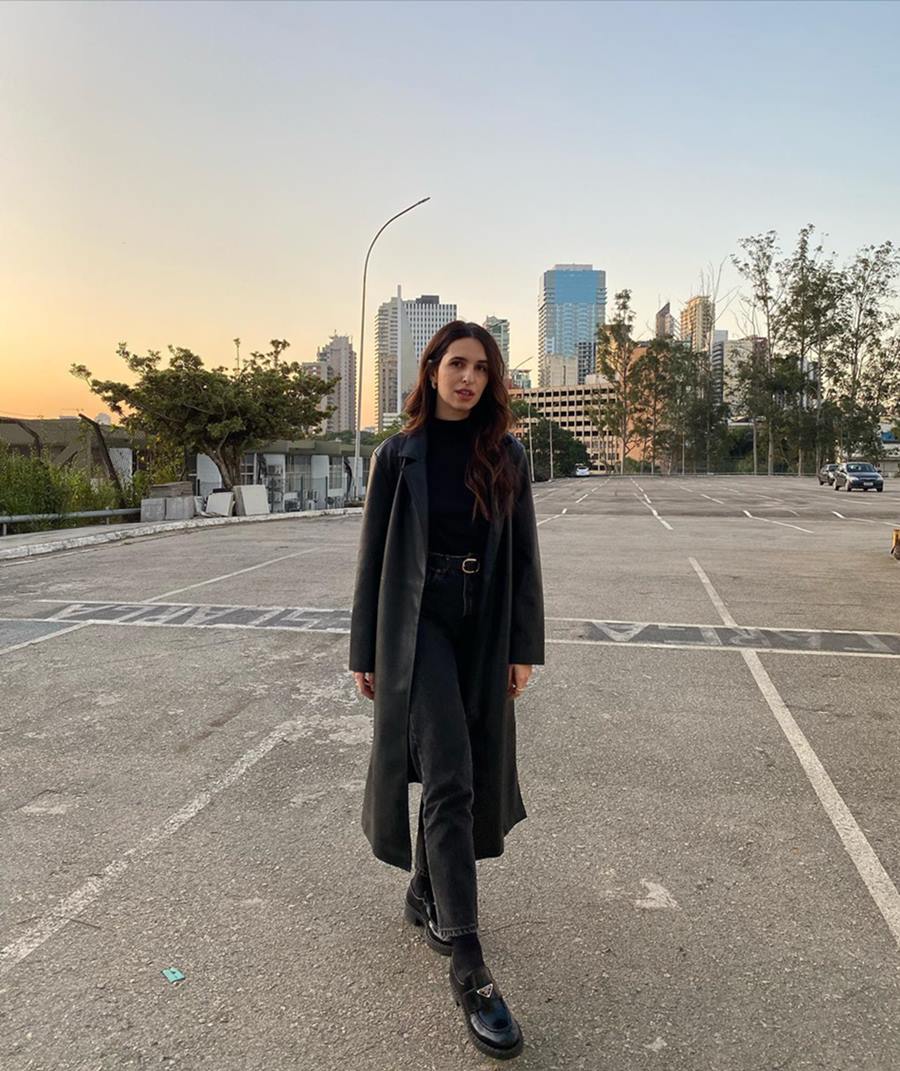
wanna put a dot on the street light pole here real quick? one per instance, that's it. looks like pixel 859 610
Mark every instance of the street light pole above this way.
pixel 357 460
pixel 550 432
pixel 530 441
pixel 528 402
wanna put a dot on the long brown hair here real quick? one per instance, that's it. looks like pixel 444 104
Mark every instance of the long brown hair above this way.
pixel 490 474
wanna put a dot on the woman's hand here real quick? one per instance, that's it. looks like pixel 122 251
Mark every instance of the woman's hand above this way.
pixel 365 684
pixel 518 679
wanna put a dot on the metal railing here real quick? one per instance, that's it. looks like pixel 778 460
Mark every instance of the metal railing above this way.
pixel 32 518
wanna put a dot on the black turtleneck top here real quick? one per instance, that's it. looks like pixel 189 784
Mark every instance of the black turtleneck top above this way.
pixel 451 529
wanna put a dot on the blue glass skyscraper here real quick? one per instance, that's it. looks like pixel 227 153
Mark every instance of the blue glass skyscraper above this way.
pixel 572 302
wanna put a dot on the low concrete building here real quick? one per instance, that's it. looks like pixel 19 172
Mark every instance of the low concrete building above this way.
pixel 298 475
pixel 68 441
pixel 568 406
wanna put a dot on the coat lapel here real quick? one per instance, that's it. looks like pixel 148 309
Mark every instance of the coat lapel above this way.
pixel 415 475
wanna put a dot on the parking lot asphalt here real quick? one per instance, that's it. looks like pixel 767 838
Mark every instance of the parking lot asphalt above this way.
pixel 707 879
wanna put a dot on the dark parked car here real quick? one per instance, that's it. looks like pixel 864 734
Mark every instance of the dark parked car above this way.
pixel 857 474
pixel 826 473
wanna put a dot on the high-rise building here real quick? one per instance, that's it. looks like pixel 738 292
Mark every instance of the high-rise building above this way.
pixel 585 359
pixel 520 378
pixel 317 368
pixel 728 355
pixel 338 358
pixel 570 407
pixel 555 370
pixel 665 323
pixel 500 330
pixel 402 330
pixel 571 305
pixel 697 319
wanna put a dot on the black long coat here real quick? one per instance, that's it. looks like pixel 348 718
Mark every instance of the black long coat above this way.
pixel 509 629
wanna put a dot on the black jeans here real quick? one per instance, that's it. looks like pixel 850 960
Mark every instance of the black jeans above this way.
pixel 439 743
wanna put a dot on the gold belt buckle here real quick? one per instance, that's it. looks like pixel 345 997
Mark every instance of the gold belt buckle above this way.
pixel 466 562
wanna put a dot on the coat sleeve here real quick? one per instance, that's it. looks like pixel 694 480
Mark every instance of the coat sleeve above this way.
pixel 364 615
pixel 526 643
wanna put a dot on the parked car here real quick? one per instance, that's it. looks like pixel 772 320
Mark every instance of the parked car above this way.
pixel 582 470
pixel 826 473
pixel 857 474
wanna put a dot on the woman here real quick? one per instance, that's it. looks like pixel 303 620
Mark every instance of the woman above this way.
pixel 447 622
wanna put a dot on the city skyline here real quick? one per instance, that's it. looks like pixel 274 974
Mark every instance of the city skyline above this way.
pixel 178 177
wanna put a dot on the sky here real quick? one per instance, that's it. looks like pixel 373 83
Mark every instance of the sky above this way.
pixel 184 173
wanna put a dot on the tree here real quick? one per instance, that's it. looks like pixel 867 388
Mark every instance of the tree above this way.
pixel 616 359
pixel 652 372
pixel 366 438
pixel 567 450
pixel 223 413
pixel 391 429
pixel 863 367
pixel 768 319
pixel 812 287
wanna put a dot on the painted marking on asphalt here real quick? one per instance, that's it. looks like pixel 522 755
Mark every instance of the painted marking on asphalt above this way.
pixel 583 497
pixel 665 524
pixel 38 639
pixel 710 497
pixel 71 906
pixel 868 865
pixel 727 619
pixel 859 520
pixel 881 888
pixel 337 621
pixel 673 646
pixel 784 524
pixel 237 572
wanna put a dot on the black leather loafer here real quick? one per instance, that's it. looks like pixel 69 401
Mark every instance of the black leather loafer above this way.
pixel 420 911
pixel 489 1021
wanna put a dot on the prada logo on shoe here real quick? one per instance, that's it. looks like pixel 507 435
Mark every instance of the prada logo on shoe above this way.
pixel 486 990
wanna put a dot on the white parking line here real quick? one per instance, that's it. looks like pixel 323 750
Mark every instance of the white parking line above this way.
pixel 710 497
pixel 868 865
pixel 78 901
pixel 37 639
pixel 665 524
pixel 237 572
pixel 784 524
pixel 727 619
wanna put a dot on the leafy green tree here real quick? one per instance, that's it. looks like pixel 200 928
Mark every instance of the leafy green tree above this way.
pixel 366 438
pixel 221 412
pixel 391 429
pixel 616 361
pixel 813 287
pixel 769 316
pixel 863 368
pixel 568 451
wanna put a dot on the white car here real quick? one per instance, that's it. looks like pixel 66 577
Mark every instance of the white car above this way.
pixel 582 470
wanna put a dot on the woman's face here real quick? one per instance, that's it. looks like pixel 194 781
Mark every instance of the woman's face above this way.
pixel 460 379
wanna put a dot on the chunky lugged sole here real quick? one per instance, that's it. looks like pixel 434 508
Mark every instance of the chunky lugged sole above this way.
pixel 418 919
pixel 482 1046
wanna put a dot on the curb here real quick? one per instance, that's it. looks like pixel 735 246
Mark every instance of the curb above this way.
pixel 30 550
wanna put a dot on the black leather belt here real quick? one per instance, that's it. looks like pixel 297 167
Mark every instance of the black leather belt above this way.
pixel 468 563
